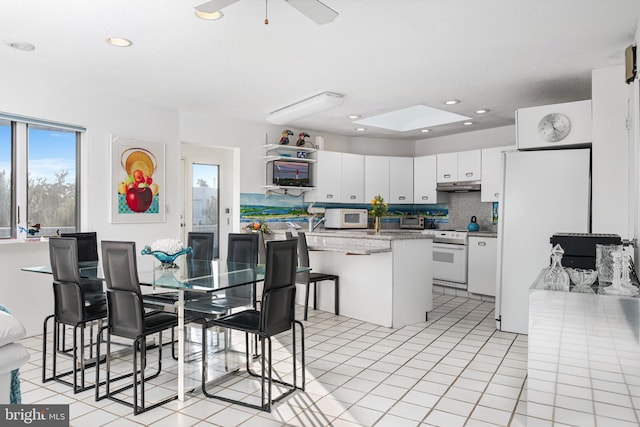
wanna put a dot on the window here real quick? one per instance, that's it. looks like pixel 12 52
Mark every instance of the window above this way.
pixel 206 215
pixel 39 176
pixel 6 179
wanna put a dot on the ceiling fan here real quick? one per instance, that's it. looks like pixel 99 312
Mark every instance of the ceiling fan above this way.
pixel 315 10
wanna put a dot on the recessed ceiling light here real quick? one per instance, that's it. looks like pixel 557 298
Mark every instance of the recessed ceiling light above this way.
pixel 354 116
pixel 23 46
pixel 361 129
pixel 452 102
pixel 482 111
pixel 425 130
pixel 467 123
pixel 209 16
pixel 119 42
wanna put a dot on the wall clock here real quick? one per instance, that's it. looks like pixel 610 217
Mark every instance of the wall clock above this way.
pixel 554 127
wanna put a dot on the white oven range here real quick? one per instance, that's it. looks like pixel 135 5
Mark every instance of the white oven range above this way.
pixel 449 258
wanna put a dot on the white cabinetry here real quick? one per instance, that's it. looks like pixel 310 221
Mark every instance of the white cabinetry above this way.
pixel 483 262
pixel 376 177
pixel 469 165
pixel 352 176
pixel 328 187
pixel 462 166
pixel 447 167
pixel 424 181
pixel 492 173
pixel 400 180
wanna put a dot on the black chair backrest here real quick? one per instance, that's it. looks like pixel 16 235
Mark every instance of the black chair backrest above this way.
pixel 63 257
pixel 68 303
pixel 277 307
pixel 243 247
pixel 202 245
pixel 303 258
pixel 87 245
pixel 124 298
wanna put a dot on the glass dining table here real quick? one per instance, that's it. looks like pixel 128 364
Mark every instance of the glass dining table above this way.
pixel 190 276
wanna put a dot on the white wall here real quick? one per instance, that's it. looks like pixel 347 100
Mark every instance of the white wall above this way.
pixel 610 152
pixel 496 137
pixel 29 295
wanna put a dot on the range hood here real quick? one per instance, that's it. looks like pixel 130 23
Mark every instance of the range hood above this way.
pixel 462 186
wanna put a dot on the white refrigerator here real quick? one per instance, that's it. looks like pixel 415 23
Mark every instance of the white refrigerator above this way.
pixel 544 192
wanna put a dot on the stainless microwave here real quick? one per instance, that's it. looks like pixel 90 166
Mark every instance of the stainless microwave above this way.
pixel 345 218
pixel 412 222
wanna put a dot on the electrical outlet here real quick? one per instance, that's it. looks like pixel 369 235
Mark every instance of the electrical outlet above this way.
pixel 315 210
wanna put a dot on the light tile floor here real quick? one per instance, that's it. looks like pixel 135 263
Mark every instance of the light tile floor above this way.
pixel 454 370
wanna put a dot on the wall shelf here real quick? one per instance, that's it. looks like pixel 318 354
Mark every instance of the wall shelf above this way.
pixel 286 153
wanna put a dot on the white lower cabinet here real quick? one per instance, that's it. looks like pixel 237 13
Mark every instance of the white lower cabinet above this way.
pixel 483 263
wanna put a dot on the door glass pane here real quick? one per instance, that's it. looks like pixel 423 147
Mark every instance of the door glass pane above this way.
pixel 51 190
pixel 5 179
pixel 204 198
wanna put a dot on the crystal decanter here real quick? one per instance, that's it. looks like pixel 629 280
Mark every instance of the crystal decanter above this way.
pixel 556 278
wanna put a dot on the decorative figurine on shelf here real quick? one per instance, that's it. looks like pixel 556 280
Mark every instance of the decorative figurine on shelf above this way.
pixel 301 142
pixel 285 137
pixel 31 231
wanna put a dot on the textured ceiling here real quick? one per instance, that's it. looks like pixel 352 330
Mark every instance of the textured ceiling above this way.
pixel 382 55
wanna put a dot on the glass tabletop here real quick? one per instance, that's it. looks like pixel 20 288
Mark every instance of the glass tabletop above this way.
pixel 192 275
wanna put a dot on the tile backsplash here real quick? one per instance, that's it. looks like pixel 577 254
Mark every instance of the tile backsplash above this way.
pixel 278 211
pixel 462 206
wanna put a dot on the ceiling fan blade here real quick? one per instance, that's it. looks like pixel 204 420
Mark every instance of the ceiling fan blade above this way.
pixel 213 5
pixel 315 10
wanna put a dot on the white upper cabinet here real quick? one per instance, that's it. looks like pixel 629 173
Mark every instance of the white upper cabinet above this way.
pixel 352 175
pixel 424 181
pixel 327 178
pixel 376 177
pixel 462 166
pixel 492 173
pixel 469 165
pixel 400 179
pixel 447 166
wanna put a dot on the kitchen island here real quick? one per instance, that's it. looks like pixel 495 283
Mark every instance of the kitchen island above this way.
pixel 385 279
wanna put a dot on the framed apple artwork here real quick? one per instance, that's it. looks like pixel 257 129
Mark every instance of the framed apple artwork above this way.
pixel 137 174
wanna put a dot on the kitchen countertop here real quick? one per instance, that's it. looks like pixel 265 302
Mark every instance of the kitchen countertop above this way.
pixel 482 234
pixel 355 242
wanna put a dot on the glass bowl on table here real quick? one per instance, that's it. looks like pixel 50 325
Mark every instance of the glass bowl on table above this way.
pixel 167 261
pixel 582 279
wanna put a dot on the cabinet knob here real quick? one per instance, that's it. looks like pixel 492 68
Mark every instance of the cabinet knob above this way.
pixel 401 198
pixel 496 194
pixel 425 197
pixel 482 243
pixel 352 197
pixel 469 174
pixel 447 175
pixel 329 196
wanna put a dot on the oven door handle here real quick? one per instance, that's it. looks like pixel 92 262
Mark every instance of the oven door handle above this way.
pixel 449 247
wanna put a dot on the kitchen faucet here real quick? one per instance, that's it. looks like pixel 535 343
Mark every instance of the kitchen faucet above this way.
pixel 313 226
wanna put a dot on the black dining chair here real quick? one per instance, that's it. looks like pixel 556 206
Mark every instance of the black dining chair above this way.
pixel 242 248
pixel 276 315
pixel 128 318
pixel 87 243
pixel 309 278
pixel 71 308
